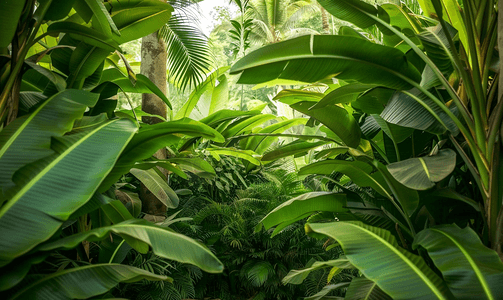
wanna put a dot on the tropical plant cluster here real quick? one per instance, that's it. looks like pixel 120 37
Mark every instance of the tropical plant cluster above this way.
pixel 339 149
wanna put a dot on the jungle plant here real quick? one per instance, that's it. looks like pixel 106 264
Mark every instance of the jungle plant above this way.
pixel 255 264
pixel 431 90
pixel 63 150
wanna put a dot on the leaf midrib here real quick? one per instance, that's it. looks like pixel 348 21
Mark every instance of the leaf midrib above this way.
pixel 472 263
pixel 416 270
pixel 42 173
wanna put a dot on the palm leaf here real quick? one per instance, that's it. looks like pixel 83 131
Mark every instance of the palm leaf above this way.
pixel 375 252
pixel 189 57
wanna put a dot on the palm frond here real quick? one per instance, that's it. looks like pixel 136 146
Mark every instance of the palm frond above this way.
pixel 189 57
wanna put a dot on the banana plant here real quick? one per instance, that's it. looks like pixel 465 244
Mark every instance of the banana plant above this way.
pixel 64 149
pixel 424 102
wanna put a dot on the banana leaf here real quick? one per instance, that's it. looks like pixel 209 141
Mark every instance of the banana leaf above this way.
pixel 83 282
pixel 313 58
pixel 50 190
pixel 470 269
pixel 28 138
pixel 164 243
pixel 375 252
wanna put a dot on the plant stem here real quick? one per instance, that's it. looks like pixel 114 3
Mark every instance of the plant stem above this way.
pixel 115 252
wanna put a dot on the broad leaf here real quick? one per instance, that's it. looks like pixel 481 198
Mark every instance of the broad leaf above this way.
pixel 245 125
pixel 336 119
pixel 260 144
pixel 27 139
pixel 91 281
pixel 142 85
pixel 375 252
pixel 82 33
pixel 164 243
pixel 293 148
pixel 470 269
pixel 247 155
pixel 396 133
pixel 10 13
pixel 156 184
pixel 344 94
pixel 204 89
pixel 421 173
pixel 151 138
pixel 313 58
pixel 405 110
pixel 116 212
pixel 298 276
pixel 354 11
pixel 359 172
pixel 362 288
pixel 408 198
pixel 137 18
pixel 224 115
pixel 305 204
pixel 327 289
pixel 195 165
pixel 51 189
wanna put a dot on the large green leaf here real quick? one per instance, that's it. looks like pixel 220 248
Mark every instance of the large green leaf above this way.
pixel 298 276
pixel 403 109
pixel 336 119
pixel 224 115
pixel 247 155
pixel 375 252
pixel 101 19
pixel 245 125
pixel 151 138
pixel 164 243
pixel 156 184
pixel 396 133
pixel 305 204
pixel 220 95
pixel 470 269
pixel 293 96
pixel 293 148
pixel 408 198
pixel 195 165
pixel 142 85
pixel 84 62
pixel 327 289
pixel 82 33
pixel 313 58
pixel 344 94
pixel 204 89
pixel 138 18
pixel 49 190
pixel 10 13
pixel 362 288
pixel 28 138
pixel 354 11
pixel 359 172
pixel 260 144
pixel 421 173
pixel 83 282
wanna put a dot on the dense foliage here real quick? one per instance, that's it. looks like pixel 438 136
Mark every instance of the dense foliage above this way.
pixel 330 149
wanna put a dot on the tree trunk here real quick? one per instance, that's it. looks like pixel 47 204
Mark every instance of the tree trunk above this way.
pixel 153 66
pixel 324 20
